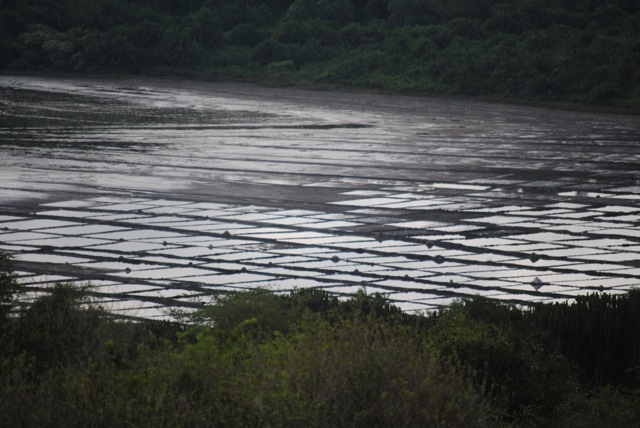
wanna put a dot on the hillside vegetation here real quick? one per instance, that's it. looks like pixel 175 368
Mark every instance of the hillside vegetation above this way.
pixel 574 51
pixel 309 359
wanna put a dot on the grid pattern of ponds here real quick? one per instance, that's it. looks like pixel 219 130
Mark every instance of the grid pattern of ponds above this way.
pixel 418 246
pixel 162 194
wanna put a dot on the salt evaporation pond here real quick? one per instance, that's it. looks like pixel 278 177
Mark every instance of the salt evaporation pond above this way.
pixel 162 193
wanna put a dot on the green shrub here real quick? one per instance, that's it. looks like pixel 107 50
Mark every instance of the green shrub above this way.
pixel 362 372
pixel 9 288
pixel 307 358
pixel 526 376
pixel 244 34
pixel 603 408
pixel 357 372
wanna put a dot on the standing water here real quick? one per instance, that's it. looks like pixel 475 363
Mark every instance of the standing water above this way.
pixel 162 193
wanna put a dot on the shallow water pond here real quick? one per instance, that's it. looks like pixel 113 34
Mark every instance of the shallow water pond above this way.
pixel 183 189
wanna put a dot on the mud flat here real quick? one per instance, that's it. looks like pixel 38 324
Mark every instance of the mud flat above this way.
pixel 161 194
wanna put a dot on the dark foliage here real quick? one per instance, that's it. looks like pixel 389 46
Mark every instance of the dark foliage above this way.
pixel 541 50
pixel 9 287
pixel 307 358
pixel 599 332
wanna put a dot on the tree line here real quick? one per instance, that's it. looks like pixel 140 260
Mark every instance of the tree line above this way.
pixel 309 358
pixel 542 50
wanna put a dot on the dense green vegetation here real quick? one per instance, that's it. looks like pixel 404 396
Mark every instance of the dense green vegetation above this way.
pixel 309 359
pixel 544 50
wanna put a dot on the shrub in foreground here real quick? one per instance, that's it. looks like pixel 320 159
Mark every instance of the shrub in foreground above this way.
pixel 309 359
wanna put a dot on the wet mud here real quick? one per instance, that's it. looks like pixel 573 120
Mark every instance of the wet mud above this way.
pixel 162 193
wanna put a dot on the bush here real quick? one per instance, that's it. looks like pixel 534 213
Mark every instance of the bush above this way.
pixel 357 372
pixel 9 288
pixel 361 372
pixel 307 358
pixel 245 35
pixel 603 408
pixel 271 312
pixel 56 329
pixel 268 51
pixel 526 377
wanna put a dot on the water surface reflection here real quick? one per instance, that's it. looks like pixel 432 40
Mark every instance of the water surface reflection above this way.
pixel 162 193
